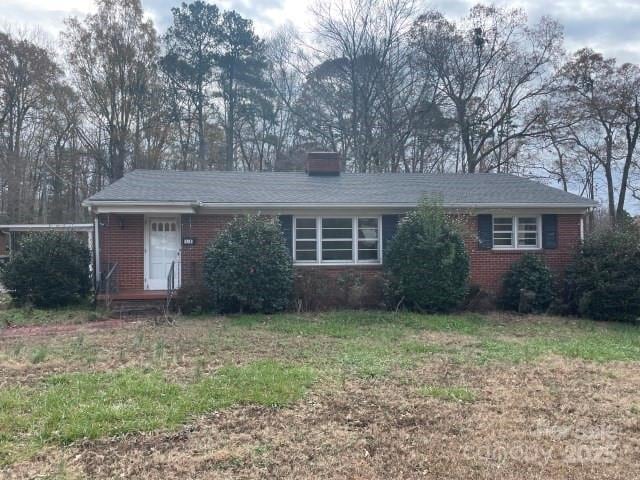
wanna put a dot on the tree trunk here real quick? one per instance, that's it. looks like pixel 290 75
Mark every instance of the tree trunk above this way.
pixel 231 120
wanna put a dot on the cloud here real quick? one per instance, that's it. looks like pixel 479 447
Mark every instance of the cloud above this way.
pixel 45 16
pixel 609 27
pixel 263 13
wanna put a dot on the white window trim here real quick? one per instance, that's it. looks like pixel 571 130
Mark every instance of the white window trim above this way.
pixel 514 232
pixel 354 241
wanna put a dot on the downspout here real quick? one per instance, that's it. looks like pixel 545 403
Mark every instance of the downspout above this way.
pixel 96 245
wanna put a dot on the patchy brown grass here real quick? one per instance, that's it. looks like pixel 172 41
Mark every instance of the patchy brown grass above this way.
pixel 551 414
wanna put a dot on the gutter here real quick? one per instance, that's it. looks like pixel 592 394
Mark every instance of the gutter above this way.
pixel 393 205
pixel 133 204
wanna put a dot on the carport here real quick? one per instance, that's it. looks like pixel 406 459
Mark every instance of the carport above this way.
pixel 10 234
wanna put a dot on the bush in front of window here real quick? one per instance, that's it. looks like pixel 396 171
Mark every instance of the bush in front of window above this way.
pixel 48 270
pixel 527 286
pixel 426 264
pixel 248 268
pixel 603 281
pixel 312 290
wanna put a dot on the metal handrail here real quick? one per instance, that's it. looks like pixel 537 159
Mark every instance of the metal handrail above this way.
pixel 171 284
pixel 106 281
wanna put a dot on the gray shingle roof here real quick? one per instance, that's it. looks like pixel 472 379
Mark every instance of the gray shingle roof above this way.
pixel 299 189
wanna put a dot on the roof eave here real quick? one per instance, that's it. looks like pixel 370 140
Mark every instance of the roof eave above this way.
pixel 132 206
pixel 394 205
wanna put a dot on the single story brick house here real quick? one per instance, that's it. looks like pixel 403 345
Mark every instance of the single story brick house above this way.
pixel 334 223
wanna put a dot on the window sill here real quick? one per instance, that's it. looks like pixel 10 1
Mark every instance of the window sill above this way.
pixel 337 264
pixel 516 249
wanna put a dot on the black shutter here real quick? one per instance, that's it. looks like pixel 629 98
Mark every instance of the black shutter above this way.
pixel 485 232
pixel 550 231
pixel 389 228
pixel 286 223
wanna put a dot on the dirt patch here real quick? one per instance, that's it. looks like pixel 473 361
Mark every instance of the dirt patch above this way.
pixel 556 419
pixel 550 418
pixel 47 330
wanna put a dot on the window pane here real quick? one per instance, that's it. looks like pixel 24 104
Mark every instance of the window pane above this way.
pixel 368 245
pixel 367 254
pixel 368 222
pixel 502 223
pixel 367 239
pixel 367 228
pixel 503 231
pixel 337 238
pixel 336 245
pixel 305 256
pixel 305 222
pixel 336 254
pixel 305 233
pixel 336 223
pixel 306 246
pixel 527 232
pixel 336 233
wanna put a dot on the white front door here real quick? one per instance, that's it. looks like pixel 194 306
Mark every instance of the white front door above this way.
pixel 161 249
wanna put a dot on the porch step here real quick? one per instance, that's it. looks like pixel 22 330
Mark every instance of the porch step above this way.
pixel 124 309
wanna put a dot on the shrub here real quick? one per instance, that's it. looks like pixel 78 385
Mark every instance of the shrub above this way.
pixel 527 286
pixel 426 265
pixel 353 287
pixel 248 267
pixel 193 298
pixel 48 270
pixel 311 290
pixel 603 281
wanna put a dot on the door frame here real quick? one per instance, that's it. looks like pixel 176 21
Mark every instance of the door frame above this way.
pixel 147 247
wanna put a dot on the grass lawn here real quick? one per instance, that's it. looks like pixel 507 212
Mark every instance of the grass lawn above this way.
pixel 336 395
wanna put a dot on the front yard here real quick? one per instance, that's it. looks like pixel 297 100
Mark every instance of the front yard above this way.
pixel 337 395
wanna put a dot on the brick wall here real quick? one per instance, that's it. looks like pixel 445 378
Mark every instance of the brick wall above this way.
pixel 122 241
pixel 489 266
pixel 203 228
pixel 321 287
pixel 4 248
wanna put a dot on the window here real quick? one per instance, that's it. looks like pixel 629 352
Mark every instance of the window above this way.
pixel 332 240
pixel 337 239
pixel 368 244
pixel 502 232
pixel 516 232
pixel 527 232
pixel 306 240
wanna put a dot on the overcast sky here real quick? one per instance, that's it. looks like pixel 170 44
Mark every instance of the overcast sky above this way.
pixel 609 26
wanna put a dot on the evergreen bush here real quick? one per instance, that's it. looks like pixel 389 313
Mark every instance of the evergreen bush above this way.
pixel 248 268
pixel 48 270
pixel 603 281
pixel 426 264
pixel 527 286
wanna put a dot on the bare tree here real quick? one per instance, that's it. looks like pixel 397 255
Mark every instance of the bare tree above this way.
pixel 602 102
pixel 28 78
pixel 364 91
pixel 112 55
pixel 494 69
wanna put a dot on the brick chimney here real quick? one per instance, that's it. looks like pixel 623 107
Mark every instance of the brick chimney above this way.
pixel 323 163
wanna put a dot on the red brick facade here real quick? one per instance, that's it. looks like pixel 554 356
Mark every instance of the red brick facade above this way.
pixel 121 241
pixel 202 228
pixel 4 248
pixel 489 266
